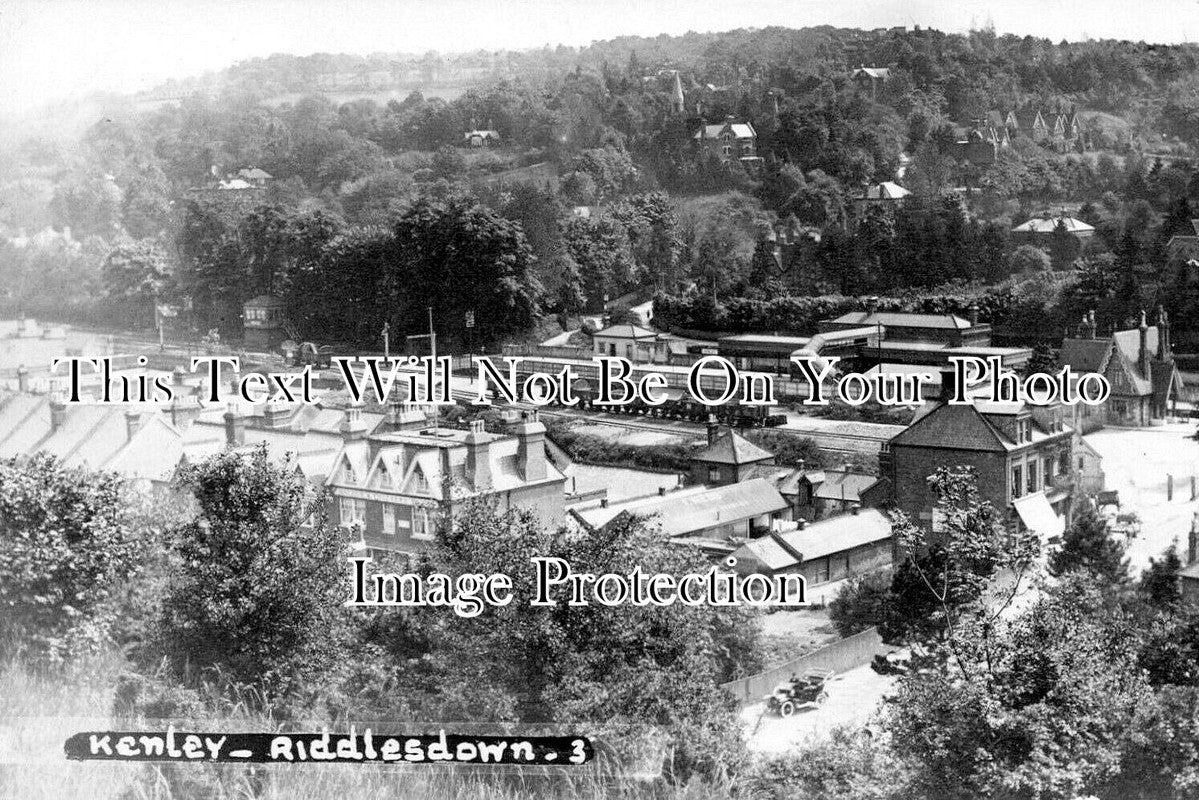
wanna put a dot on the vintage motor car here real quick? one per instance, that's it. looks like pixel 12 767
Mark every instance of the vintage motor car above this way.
pixel 803 691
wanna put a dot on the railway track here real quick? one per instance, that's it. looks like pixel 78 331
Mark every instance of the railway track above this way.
pixel 843 443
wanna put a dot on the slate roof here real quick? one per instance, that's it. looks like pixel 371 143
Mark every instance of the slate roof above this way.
pixel 1094 355
pixel 692 510
pixel 900 319
pixel 1086 355
pixel 1049 225
pixel 887 190
pixel 627 332
pixel 819 539
pixel 742 130
pixel 91 435
pixel 879 73
pixel 847 486
pixel 953 427
pixel 731 448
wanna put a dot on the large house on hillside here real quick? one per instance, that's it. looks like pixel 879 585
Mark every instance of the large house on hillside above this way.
pixel 728 142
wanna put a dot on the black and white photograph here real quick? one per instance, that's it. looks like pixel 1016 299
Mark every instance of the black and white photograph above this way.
pixel 584 399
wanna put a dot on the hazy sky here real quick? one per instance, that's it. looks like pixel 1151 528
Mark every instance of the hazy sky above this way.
pixel 53 48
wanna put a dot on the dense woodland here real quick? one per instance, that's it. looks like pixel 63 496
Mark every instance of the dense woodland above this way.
pixel 376 208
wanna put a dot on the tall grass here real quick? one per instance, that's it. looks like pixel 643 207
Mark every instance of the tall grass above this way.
pixel 40 708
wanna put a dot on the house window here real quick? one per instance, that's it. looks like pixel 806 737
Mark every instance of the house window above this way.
pixel 726 136
pixel 747 149
pixel 1049 472
pixel 727 149
pixel 389 519
pixel 1032 476
pixel 421 483
pixel 351 511
pixel 421 525
pixel 1023 430
pixel 1017 481
pixel 713 474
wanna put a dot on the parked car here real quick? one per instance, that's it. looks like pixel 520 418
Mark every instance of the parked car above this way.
pixel 892 663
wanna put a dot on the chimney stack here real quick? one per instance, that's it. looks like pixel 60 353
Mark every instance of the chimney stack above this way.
pixel 22 379
pixel 1163 335
pixel 58 413
pixel 949 385
pixel 352 427
pixel 531 450
pixel 275 415
pixel 1193 540
pixel 184 411
pixel 478 465
pixel 1143 354
pixel 133 422
pixel 235 426
pixel 973 312
pixel 713 430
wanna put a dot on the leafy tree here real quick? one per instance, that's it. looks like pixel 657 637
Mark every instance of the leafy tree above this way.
pixel 89 206
pixel 135 274
pixel 541 217
pixel 67 546
pixel 1159 583
pixel 1028 258
pixel 457 256
pixel 1043 360
pixel 1063 247
pixel 941 585
pixel 610 167
pixel 650 224
pixel 602 250
pixel 1044 701
pixel 862 602
pixel 257 592
pixel 1088 546
pixel 621 666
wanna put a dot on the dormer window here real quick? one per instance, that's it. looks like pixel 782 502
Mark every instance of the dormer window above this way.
pixel 1023 430
pixel 420 482
pixel 726 136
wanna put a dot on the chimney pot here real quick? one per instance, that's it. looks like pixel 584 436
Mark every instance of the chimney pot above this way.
pixel 22 379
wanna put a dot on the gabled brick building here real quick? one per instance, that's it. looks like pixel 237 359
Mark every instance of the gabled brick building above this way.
pixel 1022 455
pixel 394 488
pixel 1139 365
